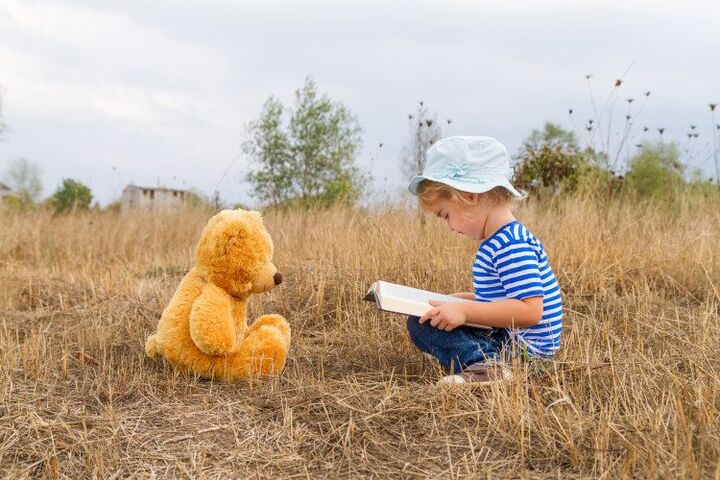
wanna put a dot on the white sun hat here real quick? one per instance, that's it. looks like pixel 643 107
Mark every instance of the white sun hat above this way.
pixel 467 163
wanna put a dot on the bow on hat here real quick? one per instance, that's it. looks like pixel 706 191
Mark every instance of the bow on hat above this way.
pixel 455 170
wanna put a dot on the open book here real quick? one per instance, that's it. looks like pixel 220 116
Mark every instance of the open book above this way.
pixel 391 297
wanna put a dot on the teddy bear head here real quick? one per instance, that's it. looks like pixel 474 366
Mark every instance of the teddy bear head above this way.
pixel 235 253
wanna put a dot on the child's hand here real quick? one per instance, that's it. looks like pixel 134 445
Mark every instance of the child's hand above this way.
pixel 445 316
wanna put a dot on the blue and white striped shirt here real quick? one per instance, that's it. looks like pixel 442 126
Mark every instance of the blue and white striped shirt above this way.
pixel 512 264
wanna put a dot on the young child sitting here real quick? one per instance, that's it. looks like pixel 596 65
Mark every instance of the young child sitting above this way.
pixel 466 182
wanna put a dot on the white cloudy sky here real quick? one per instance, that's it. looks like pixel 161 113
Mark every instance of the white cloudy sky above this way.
pixel 160 91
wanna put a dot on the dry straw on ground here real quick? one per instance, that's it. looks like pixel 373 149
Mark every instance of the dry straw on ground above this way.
pixel 634 393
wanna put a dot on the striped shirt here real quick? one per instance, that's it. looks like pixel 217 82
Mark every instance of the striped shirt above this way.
pixel 512 264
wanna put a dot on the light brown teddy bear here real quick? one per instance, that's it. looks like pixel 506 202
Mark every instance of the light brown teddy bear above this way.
pixel 204 329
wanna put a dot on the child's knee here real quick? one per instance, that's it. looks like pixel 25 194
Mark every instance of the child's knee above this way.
pixel 413 326
pixel 421 334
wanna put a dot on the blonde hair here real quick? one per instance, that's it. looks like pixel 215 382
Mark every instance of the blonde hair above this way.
pixel 430 192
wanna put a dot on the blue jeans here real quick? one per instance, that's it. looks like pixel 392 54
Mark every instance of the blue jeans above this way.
pixel 458 348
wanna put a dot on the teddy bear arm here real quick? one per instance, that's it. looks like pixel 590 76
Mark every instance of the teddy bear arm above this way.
pixel 239 313
pixel 212 327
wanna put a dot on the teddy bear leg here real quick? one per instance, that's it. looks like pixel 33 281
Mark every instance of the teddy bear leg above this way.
pixel 262 353
pixel 274 320
pixel 152 347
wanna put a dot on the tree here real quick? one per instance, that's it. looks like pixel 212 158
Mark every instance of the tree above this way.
pixel 23 177
pixel 269 146
pixel 424 131
pixel 309 160
pixel 71 195
pixel 550 134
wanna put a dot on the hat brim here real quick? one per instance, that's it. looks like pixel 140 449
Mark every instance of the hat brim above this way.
pixel 470 187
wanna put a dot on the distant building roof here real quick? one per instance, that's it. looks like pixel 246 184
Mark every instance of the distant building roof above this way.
pixel 156 189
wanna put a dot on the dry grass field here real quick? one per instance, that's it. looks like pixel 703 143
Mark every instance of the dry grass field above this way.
pixel 634 393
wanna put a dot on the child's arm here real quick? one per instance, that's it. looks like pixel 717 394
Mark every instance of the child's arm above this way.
pixel 517 266
pixel 465 295
pixel 509 313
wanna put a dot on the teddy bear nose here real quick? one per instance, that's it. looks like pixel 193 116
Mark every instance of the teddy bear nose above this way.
pixel 277 278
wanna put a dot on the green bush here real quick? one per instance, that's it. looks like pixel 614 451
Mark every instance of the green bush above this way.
pixel 549 167
pixel 656 171
pixel 593 176
pixel 14 202
pixel 71 195
pixel 551 161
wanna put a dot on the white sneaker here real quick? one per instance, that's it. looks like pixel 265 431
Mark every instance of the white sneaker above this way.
pixel 479 374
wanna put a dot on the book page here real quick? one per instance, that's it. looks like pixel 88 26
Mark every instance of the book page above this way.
pixel 414 294
pixel 395 298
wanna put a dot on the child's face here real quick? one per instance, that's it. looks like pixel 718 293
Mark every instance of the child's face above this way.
pixel 468 220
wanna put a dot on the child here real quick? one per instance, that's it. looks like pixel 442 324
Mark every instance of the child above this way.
pixel 466 182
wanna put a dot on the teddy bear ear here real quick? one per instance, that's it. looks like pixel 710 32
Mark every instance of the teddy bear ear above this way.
pixel 254 213
pixel 248 220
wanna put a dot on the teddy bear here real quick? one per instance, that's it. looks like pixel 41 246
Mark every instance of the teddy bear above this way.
pixel 204 329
